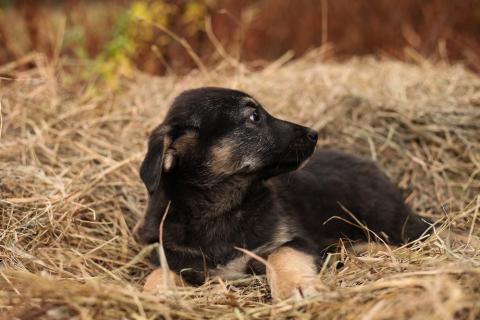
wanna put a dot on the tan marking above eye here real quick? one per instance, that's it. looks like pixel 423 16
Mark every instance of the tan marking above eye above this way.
pixel 246 112
pixel 251 100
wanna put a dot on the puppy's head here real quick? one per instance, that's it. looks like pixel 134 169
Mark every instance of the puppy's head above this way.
pixel 213 133
pixel 210 135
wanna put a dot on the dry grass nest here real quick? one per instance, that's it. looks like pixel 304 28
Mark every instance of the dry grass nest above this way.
pixel 70 192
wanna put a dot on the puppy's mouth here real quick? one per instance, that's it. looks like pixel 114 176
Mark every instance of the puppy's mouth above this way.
pixel 283 166
pixel 289 162
pixel 292 163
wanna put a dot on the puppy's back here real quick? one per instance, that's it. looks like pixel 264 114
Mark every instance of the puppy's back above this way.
pixel 334 185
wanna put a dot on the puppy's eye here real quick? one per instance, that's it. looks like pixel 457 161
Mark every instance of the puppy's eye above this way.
pixel 255 116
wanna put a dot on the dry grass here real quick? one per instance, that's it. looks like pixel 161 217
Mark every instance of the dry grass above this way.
pixel 70 191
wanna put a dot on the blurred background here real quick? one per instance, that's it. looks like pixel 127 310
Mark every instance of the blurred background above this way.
pixel 167 36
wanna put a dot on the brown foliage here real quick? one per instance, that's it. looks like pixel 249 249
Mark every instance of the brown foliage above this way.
pixel 251 29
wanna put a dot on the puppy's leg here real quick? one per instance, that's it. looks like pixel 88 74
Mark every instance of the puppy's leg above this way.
pixel 147 230
pixel 155 281
pixel 291 273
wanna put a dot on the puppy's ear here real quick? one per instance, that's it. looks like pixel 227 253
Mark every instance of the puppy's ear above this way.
pixel 147 230
pixel 159 158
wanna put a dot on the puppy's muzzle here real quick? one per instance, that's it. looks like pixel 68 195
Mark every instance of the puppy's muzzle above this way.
pixel 305 140
pixel 312 135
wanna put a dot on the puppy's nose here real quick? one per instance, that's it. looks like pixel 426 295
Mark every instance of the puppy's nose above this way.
pixel 312 135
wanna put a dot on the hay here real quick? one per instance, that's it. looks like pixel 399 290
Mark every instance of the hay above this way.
pixel 70 192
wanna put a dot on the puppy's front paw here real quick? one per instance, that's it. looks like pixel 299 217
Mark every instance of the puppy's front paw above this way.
pixel 156 282
pixel 291 274
pixel 296 290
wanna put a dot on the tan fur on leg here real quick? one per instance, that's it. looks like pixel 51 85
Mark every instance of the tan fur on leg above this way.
pixel 291 273
pixel 155 282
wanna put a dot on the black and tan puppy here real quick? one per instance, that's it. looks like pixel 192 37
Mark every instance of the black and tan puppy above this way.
pixel 229 170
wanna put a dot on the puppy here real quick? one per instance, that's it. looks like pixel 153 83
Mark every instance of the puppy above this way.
pixel 230 172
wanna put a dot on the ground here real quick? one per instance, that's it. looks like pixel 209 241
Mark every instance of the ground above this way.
pixel 70 192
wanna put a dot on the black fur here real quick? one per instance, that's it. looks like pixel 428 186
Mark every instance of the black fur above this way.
pixel 232 182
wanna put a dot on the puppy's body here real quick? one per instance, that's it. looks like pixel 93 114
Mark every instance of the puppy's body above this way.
pixel 228 169
pixel 332 187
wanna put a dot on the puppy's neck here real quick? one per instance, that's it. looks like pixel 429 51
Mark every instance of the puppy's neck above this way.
pixel 212 200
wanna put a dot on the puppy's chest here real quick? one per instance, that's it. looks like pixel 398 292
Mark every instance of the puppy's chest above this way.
pixel 217 240
pixel 214 238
